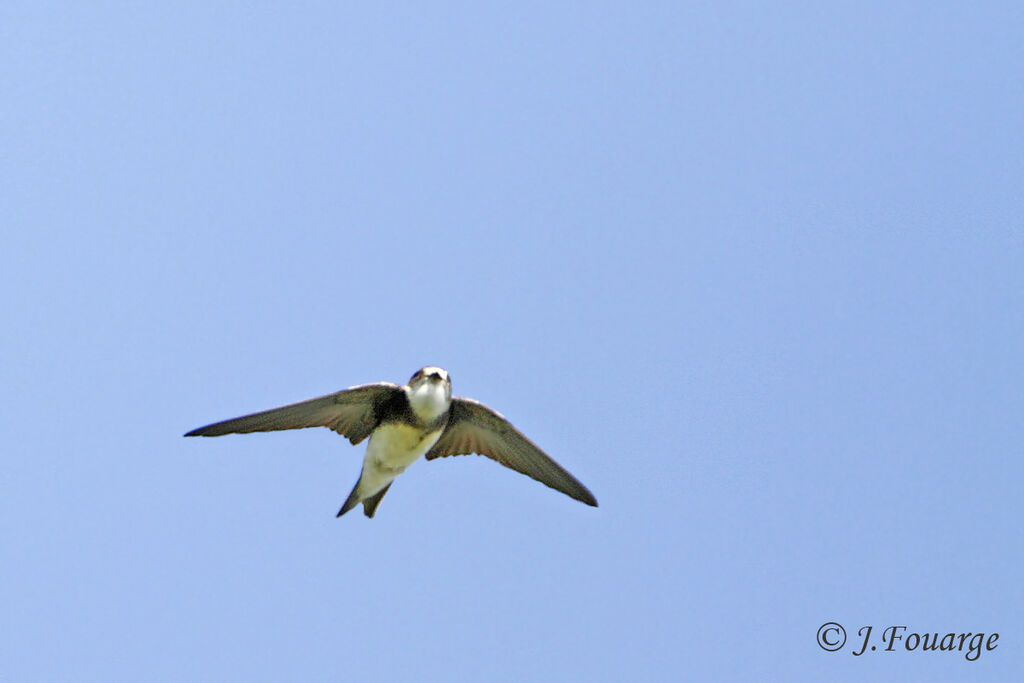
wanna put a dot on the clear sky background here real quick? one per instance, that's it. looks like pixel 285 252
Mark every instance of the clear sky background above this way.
pixel 752 272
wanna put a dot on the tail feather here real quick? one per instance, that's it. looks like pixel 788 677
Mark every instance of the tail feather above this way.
pixel 352 500
pixel 371 503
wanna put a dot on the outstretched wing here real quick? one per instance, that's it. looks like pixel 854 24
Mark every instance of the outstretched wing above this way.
pixel 475 428
pixel 353 413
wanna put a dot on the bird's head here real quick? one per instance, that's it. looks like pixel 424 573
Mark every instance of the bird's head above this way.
pixel 432 375
pixel 430 392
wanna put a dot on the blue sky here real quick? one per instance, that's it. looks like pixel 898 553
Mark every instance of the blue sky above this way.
pixel 751 273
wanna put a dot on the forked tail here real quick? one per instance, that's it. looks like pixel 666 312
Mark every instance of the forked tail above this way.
pixel 369 504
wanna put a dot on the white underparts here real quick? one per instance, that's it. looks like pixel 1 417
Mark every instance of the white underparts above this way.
pixel 392 448
pixel 396 445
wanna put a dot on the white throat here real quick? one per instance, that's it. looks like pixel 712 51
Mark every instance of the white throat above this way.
pixel 429 400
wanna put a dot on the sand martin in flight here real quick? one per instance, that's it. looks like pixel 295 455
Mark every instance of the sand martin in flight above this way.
pixel 404 423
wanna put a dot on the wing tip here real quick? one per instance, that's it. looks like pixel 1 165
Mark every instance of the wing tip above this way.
pixel 208 430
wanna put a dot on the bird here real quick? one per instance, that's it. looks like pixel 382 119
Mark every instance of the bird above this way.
pixel 404 423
